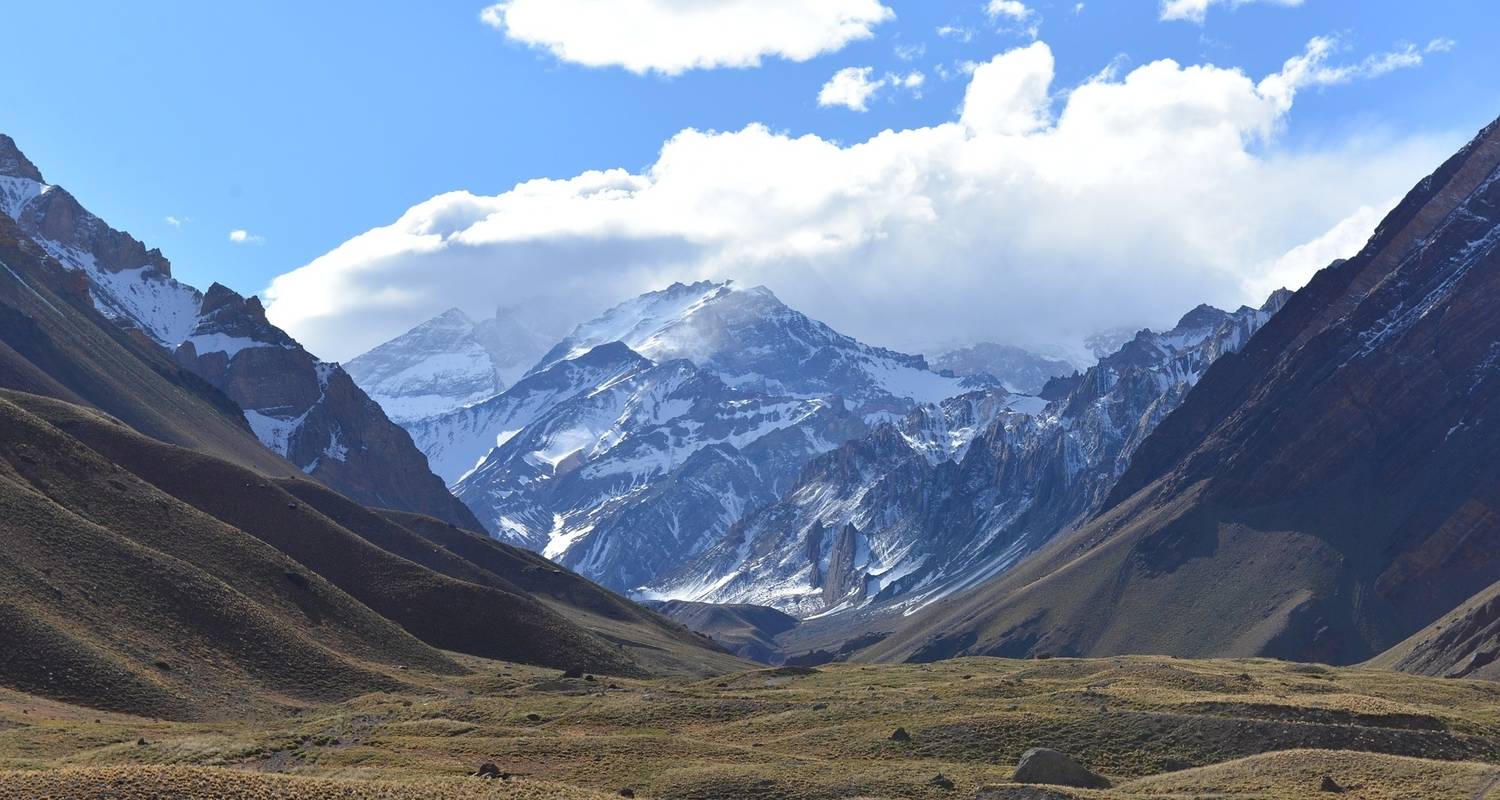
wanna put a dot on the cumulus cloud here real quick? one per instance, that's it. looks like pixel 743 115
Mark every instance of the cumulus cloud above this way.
pixel 671 36
pixel 177 222
pixel 1039 215
pixel 1197 10
pixel 853 87
pixel 242 236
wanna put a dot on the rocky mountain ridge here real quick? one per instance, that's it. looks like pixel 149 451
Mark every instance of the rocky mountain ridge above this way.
pixel 1323 494
pixel 305 410
pixel 956 493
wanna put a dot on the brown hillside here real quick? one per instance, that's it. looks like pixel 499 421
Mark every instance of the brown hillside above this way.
pixel 1464 643
pixel 446 612
pixel 1321 496
pixel 661 643
pixel 116 595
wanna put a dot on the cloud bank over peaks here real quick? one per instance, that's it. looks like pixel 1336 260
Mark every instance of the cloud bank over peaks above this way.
pixel 1040 215
pixel 671 36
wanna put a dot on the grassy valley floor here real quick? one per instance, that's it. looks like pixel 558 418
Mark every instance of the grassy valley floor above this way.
pixel 1157 727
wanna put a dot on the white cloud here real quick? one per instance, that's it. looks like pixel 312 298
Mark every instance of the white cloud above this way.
pixel 1197 10
pixel 1311 68
pixel 910 52
pixel 854 87
pixel 177 222
pixel 1008 95
pixel 1297 265
pixel 1022 18
pixel 850 87
pixel 1077 9
pixel 1014 9
pixel 242 236
pixel 1441 45
pixel 964 35
pixel 673 36
pixel 1039 215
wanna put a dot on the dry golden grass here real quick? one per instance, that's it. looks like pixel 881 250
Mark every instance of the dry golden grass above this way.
pixel 1159 727
pixel 195 783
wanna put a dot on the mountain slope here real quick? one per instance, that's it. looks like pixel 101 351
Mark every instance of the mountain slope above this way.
pixel 1018 370
pixel 753 341
pixel 1322 495
pixel 120 596
pixel 305 410
pixel 622 479
pixel 446 363
pixel 1464 643
pixel 54 341
pixel 650 638
pixel 958 492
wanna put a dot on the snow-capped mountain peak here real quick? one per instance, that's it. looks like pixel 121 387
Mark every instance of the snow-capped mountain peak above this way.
pixel 754 341
pixel 446 363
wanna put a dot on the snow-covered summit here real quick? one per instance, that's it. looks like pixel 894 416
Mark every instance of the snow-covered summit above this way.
pixel 447 363
pixel 754 341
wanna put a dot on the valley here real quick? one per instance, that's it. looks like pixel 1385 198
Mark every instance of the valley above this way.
pixel 1154 727
pixel 1093 442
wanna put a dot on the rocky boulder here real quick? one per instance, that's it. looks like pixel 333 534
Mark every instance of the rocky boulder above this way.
pixel 1041 765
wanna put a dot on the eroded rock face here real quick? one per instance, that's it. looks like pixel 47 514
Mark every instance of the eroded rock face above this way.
pixel 963 488
pixel 14 163
pixel 1043 765
pixel 310 411
pixel 1322 495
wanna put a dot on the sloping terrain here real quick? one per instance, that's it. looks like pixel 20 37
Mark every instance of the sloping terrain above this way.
pixel 1155 727
pixel 1323 495
pixel 1464 643
pixel 748 630
pixel 447 363
pixel 118 595
pixel 955 493
pixel 651 639
pixel 215 345
pixel 444 601
pixel 1018 370
pixel 54 342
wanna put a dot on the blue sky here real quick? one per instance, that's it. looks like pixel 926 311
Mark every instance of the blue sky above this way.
pixel 306 124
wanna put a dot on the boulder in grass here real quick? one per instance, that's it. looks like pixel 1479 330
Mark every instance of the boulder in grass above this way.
pixel 1042 765
pixel 489 771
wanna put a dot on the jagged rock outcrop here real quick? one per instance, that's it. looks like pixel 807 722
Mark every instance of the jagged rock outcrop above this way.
pixel 310 411
pixel 304 410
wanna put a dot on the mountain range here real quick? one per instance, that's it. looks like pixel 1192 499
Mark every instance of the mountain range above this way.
pixel 305 410
pixel 1326 493
pixel 172 549
pixel 957 492
pixel 1310 479
pixel 639 438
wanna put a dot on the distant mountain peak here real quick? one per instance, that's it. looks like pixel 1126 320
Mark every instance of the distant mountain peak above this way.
pixel 14 163
pixel 447 362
